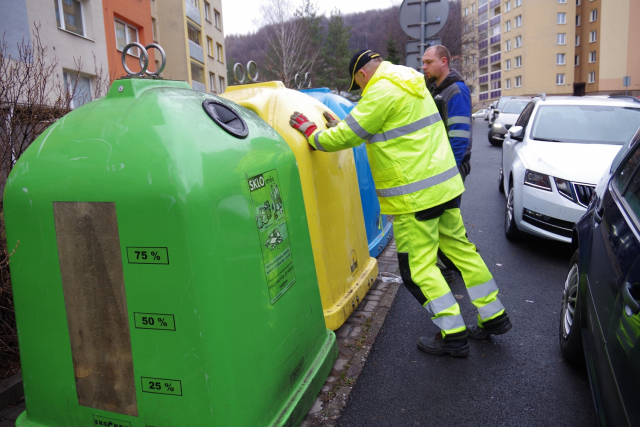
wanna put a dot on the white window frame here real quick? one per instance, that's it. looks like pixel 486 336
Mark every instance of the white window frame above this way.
pixel 518 22
pixel 222 84
pixel 507 7
pixel 561 18
pixel 518 61
pixel 507 46
pixel 219 53
pixel 577 2
pixel 562 1
pixel 68 78
pixel 576 60
pixel 210 51
pixel 560 59
pixel 507 26
pixel 207 11
pixel 518 81
pixel 518 3
pixel 216 18
pixel 559 79
pixel 507 84
pixel 62 23
pixel 561 38
pixel 592 76
pixel 593 36
pixel 592 57
pixel 507 65
pixel 593 15
pixel 519 41
pixel 577 20
pixel 134 50
pixel 212 82
pixel 473 7
pixel 578 40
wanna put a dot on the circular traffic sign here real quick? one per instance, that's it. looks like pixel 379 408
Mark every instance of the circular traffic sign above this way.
pixel 437 13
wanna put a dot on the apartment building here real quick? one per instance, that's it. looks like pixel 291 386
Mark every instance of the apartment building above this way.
pixel 559 47
pixel 73 32
pixel 127 21
pixel 192 36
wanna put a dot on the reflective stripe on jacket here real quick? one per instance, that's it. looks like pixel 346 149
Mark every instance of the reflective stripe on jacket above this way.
pixel 411 160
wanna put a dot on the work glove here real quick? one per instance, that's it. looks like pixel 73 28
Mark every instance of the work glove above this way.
pixel 331 121
pixel 300 122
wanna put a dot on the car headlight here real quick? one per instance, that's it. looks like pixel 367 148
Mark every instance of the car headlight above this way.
pixel 537 180
pixel 498 125
pixel 564 188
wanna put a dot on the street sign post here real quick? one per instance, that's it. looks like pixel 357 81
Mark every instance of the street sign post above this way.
pixel 626 82
pixel 422 19
pixel 412 48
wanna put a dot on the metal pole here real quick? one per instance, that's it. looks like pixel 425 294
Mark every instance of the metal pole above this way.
pixel 423 27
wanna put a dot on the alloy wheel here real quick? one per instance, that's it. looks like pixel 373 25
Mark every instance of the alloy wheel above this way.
pixel 570 300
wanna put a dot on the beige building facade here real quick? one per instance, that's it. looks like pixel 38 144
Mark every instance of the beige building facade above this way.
pixel 191 33
pixel 559 47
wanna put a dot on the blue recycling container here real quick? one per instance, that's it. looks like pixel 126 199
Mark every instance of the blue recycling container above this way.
pixel 379 231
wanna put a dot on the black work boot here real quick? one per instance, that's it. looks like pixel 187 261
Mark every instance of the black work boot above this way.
pixel 497 326
pixel 454 344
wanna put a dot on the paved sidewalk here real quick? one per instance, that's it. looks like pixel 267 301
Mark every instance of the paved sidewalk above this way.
pixel 355 339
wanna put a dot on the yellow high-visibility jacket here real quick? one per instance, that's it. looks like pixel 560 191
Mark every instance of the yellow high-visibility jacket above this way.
pixel 411 160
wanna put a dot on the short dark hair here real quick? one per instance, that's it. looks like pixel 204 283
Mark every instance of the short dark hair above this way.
pixel 442 52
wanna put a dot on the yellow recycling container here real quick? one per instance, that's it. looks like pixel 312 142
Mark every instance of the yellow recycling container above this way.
pixel 331 197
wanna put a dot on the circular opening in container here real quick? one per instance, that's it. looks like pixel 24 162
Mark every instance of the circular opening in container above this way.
pixel 226 118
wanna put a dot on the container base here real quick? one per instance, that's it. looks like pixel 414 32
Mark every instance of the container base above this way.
pixel 381 241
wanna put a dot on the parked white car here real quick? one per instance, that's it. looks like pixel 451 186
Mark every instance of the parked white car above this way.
pixel 553 157
pixel 480 114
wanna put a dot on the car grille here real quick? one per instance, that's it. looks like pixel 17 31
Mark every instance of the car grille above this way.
pixel 584 193
pixel 545 222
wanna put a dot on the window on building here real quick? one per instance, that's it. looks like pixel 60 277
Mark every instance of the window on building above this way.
pixel 473 58
pixel 219 54
pixel 212 82
pixel 518 61
pixel 507 84
pixel 518 81
pixel 561 38
pixel 466 11
pixel 197 73
pixel 194 34
pixel 221 82
pixel 562 1
pixel 577 60
pixel 562 18
pixel 154 29
pixel 577 20
pixel 216 18
pixel 210 46
pixel 507 6
pixel 507 26
pixel 518 3
pixel 592 56
pixel 207 11
pixel 560 59
pixel 518 41
pixel 560 79
pixel 593 15
pixel 593 36
pixel 78 87
pixel 577 2
pixel 507 64
pixel 578 40
pixel 592 77
pixel 507 45
pixel 473 7
pixel 474 75
pixel 126 34
pixel 194 3
pixel 518 21
pixel 72 16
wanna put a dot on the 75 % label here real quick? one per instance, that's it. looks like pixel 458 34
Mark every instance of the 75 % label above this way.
pixel 147 255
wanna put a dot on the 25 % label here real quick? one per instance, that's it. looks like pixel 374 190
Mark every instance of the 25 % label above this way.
pixel 161 386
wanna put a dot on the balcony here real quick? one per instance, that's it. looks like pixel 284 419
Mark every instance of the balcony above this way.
pixel 483 96
pixel 496 93
pixel 193 12
pixel 483 44
pixel 483 62
pixel 495 39
pixel 196 52
pixel 483 27
pixel 495 75
pixel 494 58
pixel 483 79
pixel 494 21
pixel 494 3
pixel 483 8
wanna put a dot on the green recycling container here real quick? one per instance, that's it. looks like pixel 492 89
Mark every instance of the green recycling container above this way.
pixel 164 274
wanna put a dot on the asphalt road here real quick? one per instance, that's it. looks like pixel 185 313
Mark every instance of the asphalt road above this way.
pixel 516 379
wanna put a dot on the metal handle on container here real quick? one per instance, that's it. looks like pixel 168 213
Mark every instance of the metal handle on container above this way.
pixel 144 59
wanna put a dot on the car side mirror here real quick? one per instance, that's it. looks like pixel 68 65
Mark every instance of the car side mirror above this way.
pixel 517 133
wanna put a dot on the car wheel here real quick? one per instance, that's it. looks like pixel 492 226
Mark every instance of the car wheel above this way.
pixel 510 227
pixel 501 180
pixel 492 140
pixel 570 333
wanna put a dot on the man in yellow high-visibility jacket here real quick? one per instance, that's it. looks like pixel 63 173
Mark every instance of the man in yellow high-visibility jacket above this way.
pixel 416 180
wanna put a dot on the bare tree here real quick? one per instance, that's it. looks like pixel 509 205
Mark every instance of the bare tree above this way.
pixel 288 39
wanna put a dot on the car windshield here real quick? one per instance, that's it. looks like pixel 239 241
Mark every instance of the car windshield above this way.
pixel 514 107
pixel 502 101
pixel 586 124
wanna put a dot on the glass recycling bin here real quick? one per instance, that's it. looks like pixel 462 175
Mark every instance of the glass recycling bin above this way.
pixel 379 230
pixel 164 275
pixel 345 269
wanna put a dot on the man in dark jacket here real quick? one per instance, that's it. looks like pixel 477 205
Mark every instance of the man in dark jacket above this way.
pixel 453 100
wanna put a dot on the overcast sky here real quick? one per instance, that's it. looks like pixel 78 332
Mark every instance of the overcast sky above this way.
pixel 243 16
